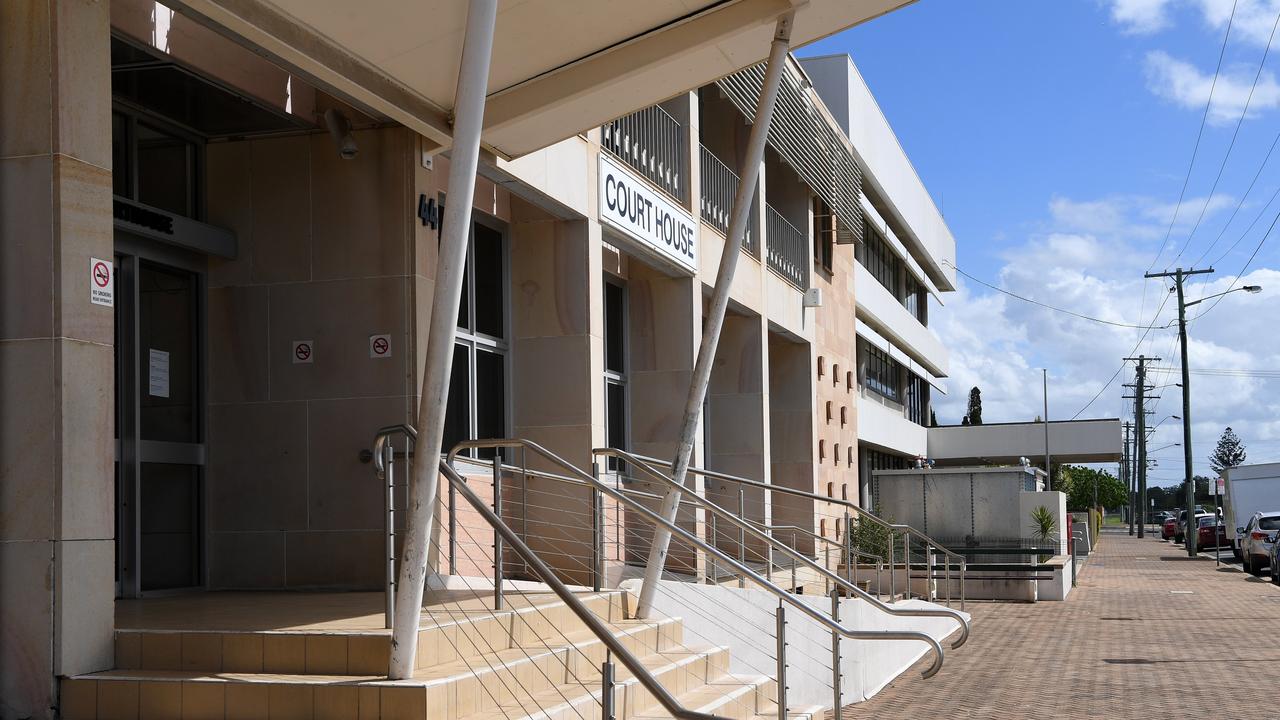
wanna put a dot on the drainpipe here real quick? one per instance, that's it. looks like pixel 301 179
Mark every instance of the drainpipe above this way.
pixel 473 81
pixel 749 174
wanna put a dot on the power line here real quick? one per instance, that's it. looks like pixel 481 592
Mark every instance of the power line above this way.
pixel 1124 364
pixel 1240 274
pixel 1231 146
pixel 1050 307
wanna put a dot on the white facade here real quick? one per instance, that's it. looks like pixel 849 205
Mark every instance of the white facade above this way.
pixel 907 257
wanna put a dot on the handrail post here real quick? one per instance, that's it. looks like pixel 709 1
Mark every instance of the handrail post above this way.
pixel 606 687
pixel 389 505
pixel 851 565
pixel 711 560
pixel 947 560
pixel 782 661
pixel 906 564
pixel 835 654
pixel 453 530
pixel 964 566
pixel 793 562
pixel 742 534
pixel 497 539
pixel 892 563
pixel 597 531
pixel 930 585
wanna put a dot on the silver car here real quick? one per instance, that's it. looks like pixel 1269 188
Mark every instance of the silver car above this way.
pixel 1256 539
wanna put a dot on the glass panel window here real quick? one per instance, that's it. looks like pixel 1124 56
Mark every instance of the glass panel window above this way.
pixel 882 373
pixel 824 234
pixel 876 256
pixel 917 400
pixel 478 388
pixel 615 362
pixel 165 170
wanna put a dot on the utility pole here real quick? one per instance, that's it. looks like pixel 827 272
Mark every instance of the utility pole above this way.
pixel 1048 467
pixel 1178 275
pixel 1126 475
pixel 1140 419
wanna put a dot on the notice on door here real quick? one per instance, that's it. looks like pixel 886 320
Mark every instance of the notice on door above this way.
pixel 158 374
pixel 102 286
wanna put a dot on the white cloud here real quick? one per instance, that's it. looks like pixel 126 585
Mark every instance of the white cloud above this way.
pixel 1141 16
pixel 1185 85
pixel 1252 24
pixel 1084 261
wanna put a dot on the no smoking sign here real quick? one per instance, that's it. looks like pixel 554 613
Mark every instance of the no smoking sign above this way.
pixel 102 290
pixel 379 346
pixel 303 352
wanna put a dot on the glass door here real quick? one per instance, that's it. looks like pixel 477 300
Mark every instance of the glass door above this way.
pixel 160 423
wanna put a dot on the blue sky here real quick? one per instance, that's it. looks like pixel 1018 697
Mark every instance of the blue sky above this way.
pixel 1056 138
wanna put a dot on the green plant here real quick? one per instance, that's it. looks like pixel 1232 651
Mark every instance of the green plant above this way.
pixel 1043 526
pixel 869 536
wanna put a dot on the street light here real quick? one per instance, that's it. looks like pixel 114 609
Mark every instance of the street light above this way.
pixel 1179 275
pixel 1166 447
pixel 1153 427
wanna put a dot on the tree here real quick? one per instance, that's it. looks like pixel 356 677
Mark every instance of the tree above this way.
pixel 964 420
pixel 975 406
pixel 1229 452
pixel 1079 483
pixel 933 418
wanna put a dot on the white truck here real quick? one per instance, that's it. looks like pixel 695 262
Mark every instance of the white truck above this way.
pixel 1249 489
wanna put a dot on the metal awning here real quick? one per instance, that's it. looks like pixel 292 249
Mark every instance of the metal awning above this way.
pixel 808 141
pixel 558 67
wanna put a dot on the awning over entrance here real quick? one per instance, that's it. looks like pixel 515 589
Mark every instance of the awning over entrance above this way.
pixel 558 67
pixel 1070 441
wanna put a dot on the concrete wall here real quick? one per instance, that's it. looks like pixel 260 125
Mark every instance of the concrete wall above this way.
pixel 884 313
pixel 956 503
pixel 744 620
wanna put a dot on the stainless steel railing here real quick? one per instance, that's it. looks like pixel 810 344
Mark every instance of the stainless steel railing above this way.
pixel 384 455
pixel 652 142
pixel 651 470
pixel 601 490
pixel 851 511
pixel 719 187
pixel 788 249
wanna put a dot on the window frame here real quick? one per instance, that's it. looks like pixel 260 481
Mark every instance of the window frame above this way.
pixel 617 378
pixel 878 363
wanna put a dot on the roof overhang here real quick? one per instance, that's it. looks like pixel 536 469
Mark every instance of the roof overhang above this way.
pixel 1070 441
pixel 558 67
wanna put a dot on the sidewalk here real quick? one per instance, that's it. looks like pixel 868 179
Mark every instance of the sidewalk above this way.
pixel 1130 642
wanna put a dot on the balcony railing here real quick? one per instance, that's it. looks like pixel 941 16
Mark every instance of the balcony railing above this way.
pixel 652 142
pixel 719 187
pixel 788 248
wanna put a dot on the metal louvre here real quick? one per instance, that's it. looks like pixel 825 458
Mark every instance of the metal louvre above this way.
pixel 819 152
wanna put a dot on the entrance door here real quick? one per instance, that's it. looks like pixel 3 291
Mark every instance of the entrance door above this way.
pixel 160 419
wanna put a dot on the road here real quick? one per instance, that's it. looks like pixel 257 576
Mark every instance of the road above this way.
pixel 1147 633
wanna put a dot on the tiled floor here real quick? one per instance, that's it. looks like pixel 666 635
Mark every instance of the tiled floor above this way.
pixel 1130 642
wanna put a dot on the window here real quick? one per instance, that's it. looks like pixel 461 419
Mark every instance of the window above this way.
pixel 882 373
pixel 876 256
pixel 916 300
pixel 615 369
pixel 824 234
pixel 917 400
pixel 478 385
pixel 154 166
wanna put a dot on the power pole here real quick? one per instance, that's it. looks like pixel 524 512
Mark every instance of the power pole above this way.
pixel 1178 275
pixel 1140 419
pixel 1048 461
pixel 1126 475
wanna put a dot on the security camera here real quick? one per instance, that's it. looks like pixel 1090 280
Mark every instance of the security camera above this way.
pixel 340 130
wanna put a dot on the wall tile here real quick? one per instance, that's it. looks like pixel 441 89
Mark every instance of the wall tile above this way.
pixel 336 559
pixel 281 202
pixel 83 81
pixel 339 317
pixel 82 208
pixel 342 493
pixel 257 466
pixel 229 204
pixel 552 381
pixel 360 210
pixel 25 68
pixel 26 615
pixel 85 611
pixel 27 440
pixel 238 344
pixel 246 560
pixel 26 236
pixel 87 388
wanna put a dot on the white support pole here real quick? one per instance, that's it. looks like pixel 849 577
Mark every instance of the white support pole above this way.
pixel 473 83
pixel 749 174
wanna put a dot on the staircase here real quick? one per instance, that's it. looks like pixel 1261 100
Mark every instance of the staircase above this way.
pixel 534 659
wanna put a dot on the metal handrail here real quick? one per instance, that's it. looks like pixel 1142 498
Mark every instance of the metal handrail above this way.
pixel 384 462
pixel 509 536
pixel 697 542
pixel 786 249
pixel 855 509
pixel 788 550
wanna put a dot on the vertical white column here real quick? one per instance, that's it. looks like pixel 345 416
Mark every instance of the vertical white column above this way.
pixel 714 322
pixel 473 82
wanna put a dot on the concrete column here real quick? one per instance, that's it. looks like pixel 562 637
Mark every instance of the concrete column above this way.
pixel 56 359
pixel 791 423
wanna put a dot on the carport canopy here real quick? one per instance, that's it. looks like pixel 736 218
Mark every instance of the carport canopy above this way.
pixel 559 67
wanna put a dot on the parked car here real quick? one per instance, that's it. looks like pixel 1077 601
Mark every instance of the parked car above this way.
pixel 1275 561
pixel 1168 527
pixel 1256 540
pixel 1179 530
pixel 1212 533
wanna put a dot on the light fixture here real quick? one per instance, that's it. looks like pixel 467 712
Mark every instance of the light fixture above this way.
pixel 1252 289
pixel 340 130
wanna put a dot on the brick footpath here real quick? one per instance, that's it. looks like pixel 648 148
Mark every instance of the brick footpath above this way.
pixel 1123 645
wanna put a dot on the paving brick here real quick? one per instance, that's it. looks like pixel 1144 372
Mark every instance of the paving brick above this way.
pixel 1124 645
